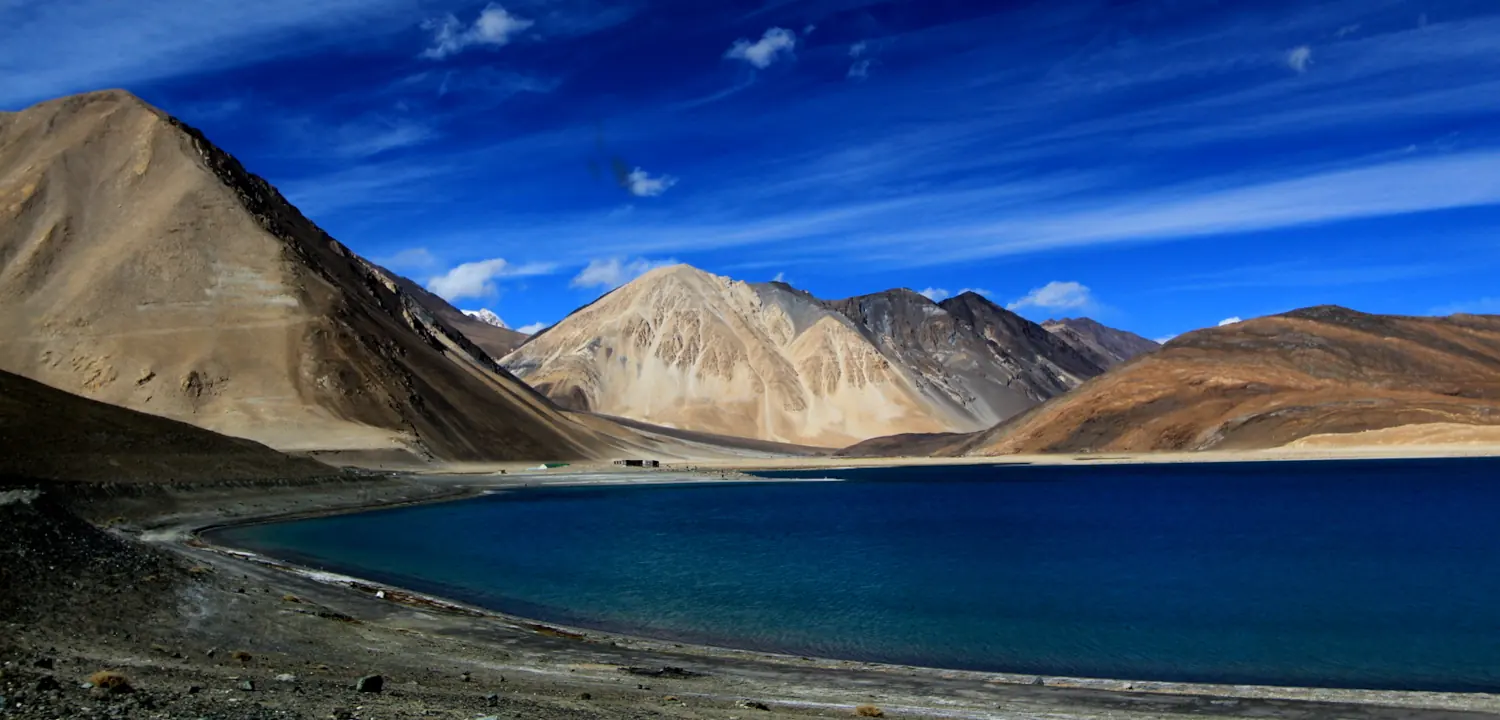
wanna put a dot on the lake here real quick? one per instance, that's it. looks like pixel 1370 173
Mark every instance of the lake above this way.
pixel 1373 574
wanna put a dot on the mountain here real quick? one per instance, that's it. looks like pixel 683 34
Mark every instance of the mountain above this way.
pixel 142 266
pixel 48 434
pixel 1300 377
pixel 1103 345
pixel 685 348
pixel 487 316
pixel 494 338
pixel 984 361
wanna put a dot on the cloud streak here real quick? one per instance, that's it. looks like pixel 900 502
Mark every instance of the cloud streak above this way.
pixel 610 273
pixel 53 48
pixel 495 27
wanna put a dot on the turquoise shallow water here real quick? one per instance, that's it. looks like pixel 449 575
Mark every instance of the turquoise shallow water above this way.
pixel 1376 574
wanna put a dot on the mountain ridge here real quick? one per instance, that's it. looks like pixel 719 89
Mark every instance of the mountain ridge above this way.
pixel 786 366
pixel 1318 372
pixel 1104 345
pixel 220 304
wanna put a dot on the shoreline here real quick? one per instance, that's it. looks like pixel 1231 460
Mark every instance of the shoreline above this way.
pixel 195 542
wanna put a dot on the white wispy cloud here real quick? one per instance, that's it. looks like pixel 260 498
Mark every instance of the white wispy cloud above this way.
pixel 409 260
pixel 53 48
pixel 1163 340
pixel 1325 272
pixel 495 27
pixel 780 277
pixel 533 328
pixel 860 68
pixel 1482 306
pixel 477 279
pixel 1055 295
pixel 1230 321
pixel 641 184
pixel 372 183
pixel 610 273
pixel 775 44
pixel 935 294
pixel 1298 58
pixel 366 139
pixel 1385 189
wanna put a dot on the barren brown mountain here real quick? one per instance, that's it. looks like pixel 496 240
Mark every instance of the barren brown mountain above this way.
pixel 1103 345
pixel 142 266
pixel 689 349
pixel 1271 381
pixel 48 434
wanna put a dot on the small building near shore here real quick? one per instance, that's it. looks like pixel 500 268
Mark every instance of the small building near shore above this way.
pixel 639 463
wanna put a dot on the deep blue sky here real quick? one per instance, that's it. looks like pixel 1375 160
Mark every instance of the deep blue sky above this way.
pixel 1160 165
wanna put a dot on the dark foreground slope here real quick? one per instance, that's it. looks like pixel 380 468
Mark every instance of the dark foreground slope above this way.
pixel 49 434
pixel 143 266
pixel 1270 381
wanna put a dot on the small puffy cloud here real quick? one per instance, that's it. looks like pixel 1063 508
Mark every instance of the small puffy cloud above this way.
pixel 613 272
pixel 477 279
pixel 1230 321
pixel 641 184
pixel 935 294
pixel 772 46
pixel 780 277
pixel 1163 340
pixel 532 329
pixel 860 68
pixel 494 27
pixel 1298 58
pixel 1056 295
pixel 976 291
pixel 1347 30
pixel 411 259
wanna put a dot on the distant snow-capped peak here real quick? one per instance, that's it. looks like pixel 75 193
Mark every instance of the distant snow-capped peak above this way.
pixel 485 316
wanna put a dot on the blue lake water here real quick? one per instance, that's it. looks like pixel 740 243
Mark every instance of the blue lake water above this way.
pixel 1375 574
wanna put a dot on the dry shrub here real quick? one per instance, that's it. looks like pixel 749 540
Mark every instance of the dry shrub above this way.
pixel 869 711
pixel 111 681
pixel 291 598
pixel 240 655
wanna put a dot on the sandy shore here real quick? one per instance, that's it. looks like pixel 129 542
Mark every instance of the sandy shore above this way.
pixel 446 659
pixel 1318 448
